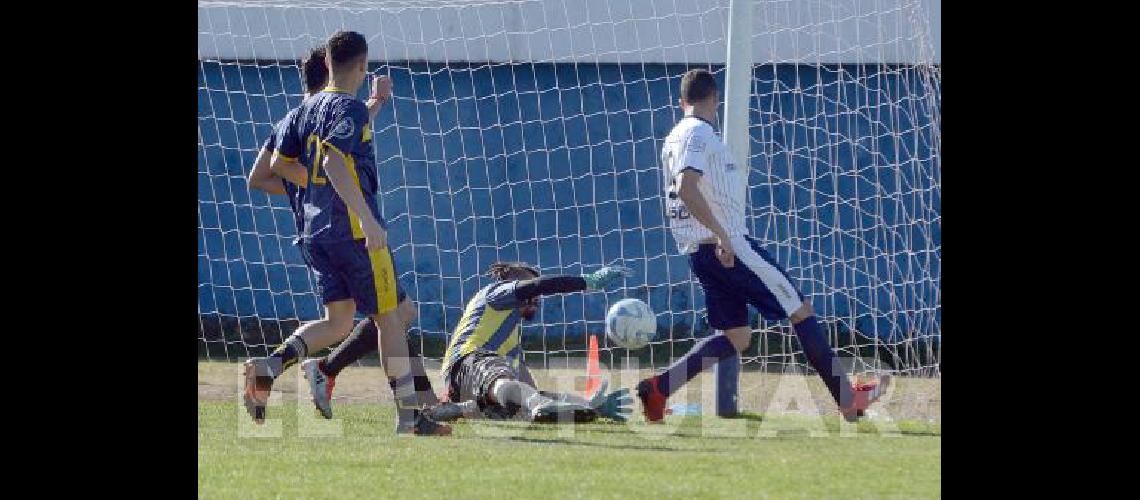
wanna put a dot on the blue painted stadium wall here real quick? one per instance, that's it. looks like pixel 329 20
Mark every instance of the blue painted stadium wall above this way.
pixel 556 164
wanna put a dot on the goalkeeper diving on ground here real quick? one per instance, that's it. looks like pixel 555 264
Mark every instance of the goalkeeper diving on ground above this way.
pixel 482 366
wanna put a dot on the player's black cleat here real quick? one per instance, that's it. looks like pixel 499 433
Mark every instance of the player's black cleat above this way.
pixel 447 412
pixel 552 412
pixel 422 425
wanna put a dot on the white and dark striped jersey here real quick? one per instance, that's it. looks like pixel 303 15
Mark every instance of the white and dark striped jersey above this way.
pixel 693 144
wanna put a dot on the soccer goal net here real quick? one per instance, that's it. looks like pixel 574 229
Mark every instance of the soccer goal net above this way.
pixel 530 130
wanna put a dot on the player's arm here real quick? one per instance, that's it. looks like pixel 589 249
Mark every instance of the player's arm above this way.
pixel 518 292
pixel 290 169
pixel 690 165
pixel 336 169
pixel 261 177
pixel 616 405
pixel 381 93
pixel 284 163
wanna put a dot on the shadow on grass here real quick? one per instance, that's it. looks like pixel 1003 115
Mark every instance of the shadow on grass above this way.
pixel 596 445
pixel 691 428
pixel 916 433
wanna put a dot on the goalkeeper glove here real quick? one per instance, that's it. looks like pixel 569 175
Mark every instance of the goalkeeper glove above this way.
pixel 605 277
pixel 616 405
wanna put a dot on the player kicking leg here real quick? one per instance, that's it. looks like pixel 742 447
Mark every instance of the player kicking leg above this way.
pixel 706 193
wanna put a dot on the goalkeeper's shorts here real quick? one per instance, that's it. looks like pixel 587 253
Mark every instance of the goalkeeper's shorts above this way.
pixel 348 270
pixel 755 278
pixel 473 375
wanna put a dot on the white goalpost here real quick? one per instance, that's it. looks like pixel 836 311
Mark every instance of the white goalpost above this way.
pixel 530 130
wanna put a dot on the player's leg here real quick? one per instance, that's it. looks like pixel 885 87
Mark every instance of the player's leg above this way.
pixel 315 335
pixel 260 373
pixel 335 293
pixel 728 316
pixel 321 372
pixel 424 390
pixel 336 323
pixel 377 292
pixel 362 341
pixel 771 291
pixel 490 381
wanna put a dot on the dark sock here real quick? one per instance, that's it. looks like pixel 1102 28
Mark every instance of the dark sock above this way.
pixel 424 392
pixel 821 358
pixel 287 354
pixel 683 370
pixel 420 379
pixel 363 340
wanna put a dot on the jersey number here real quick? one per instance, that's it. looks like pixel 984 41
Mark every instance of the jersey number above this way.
pixel 674 208
pixel 316 151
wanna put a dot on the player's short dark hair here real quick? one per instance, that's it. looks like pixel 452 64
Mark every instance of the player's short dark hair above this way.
pixel 346 47
pixel 697 85
pixel 314 71
pixel 504 271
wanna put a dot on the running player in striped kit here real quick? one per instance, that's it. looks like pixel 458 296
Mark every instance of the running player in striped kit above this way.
pixel 706 192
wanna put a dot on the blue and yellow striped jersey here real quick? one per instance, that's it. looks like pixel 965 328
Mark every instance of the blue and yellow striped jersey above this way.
pixel 332 122
pixel 490 322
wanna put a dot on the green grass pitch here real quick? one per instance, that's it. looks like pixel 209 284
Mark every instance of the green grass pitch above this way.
pixel 359 456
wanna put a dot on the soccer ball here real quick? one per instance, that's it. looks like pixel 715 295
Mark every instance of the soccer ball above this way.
pixel 631 324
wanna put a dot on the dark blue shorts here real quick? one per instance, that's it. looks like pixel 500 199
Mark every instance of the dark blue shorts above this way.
pixel 348 270
pixel 756 278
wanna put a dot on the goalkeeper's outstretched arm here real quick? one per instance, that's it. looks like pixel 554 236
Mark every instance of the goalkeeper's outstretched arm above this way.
pixel 550 285
pixel 616 405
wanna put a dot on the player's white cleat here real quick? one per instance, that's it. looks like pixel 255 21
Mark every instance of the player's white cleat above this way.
pixel 320 386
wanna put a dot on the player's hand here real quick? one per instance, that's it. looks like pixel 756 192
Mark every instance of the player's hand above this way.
pixel 725 253
pixel 381 88
pixel 606 277
pixel 616 405
pixel 375 237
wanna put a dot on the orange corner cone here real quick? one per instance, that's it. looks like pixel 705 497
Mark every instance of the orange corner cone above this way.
pixel 593 370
